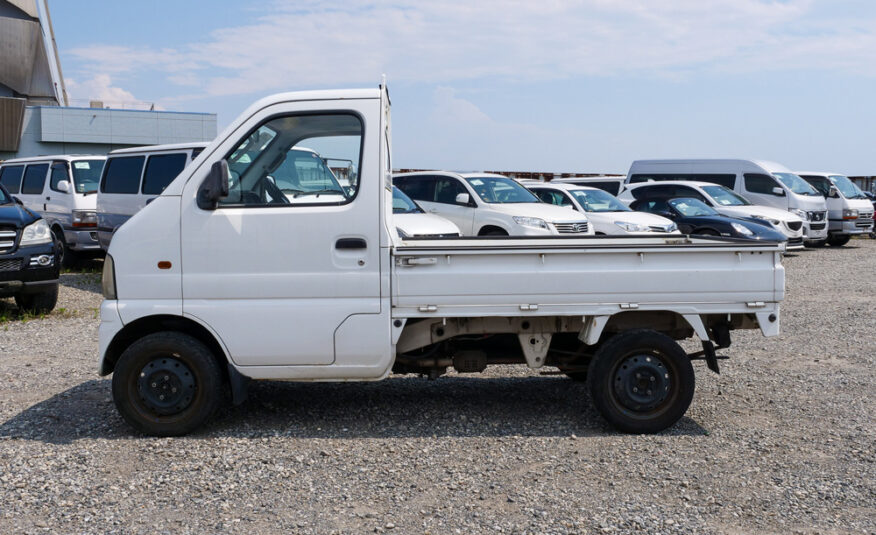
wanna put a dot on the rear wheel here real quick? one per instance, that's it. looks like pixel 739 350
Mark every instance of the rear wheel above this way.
pixel 167 384
pixel 838 240
pixel 641 381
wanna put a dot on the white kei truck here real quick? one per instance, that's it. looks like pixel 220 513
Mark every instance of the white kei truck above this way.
pixel 224 279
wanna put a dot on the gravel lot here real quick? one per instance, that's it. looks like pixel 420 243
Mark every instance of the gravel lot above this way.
pixel 781 442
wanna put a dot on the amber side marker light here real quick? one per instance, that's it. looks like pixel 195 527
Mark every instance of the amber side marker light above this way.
pixel 164 264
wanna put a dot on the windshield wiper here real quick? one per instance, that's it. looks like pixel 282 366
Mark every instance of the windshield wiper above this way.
pixel 319 191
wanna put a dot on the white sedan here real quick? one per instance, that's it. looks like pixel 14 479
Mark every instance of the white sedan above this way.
pixel 605 212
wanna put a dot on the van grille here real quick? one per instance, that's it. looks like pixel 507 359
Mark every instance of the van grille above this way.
pixel 10 264
pixel 7 238
pixel 794 225
pixel 579 227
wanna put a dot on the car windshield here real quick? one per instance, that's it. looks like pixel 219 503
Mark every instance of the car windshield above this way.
pixel 86 175
pixel 847 187
pixel 402 204
pixel 689 207
pixel 796 184
pixel 495 189
pixel 725 196
pixel 596 200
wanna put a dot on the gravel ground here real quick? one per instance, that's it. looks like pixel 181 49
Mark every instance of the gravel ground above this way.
pixel 781 442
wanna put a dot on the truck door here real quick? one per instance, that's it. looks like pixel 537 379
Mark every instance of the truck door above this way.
pixel 290 258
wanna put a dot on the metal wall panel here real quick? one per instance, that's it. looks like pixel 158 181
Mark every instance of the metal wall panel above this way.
pixel 11 121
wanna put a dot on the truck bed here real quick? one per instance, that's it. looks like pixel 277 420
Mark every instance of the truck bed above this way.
pixel 584 276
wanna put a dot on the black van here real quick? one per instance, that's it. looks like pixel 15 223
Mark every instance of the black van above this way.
pixel 29 267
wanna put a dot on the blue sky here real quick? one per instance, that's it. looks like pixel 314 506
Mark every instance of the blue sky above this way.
pixel 585 86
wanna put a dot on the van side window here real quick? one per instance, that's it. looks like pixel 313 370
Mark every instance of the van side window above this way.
pixel 612 187
pixel 161 169
pixel 418 188
pixel 283 161
pixel 757 183
pixel 10 177
pixel 59 173
pixel 727 180
pixel 447 188
pixel 34 179
pixel 122 175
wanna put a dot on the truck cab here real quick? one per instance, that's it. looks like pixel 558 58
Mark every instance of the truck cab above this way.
pixel 244 268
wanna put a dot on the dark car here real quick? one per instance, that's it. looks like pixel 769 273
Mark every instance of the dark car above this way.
pixel 29 268
pixel 695 217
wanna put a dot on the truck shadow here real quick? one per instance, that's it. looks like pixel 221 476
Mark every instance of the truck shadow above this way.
pixel 401 407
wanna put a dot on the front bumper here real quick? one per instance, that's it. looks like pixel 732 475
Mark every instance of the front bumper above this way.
pixel 17 276
pixel 814 230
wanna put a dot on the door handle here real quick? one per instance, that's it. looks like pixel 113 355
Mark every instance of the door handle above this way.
pixel 351 243
pixel 48 198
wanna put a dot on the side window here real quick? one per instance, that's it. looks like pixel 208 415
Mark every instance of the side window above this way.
pixel 756 183
pixel 418 188
pixel 447 188
pixel 34 179
pixel 684 191
pixel 196 152
pixel 545 195
pixel 10 177
pixel 161 169
pixel 59 173
pixel 122 175
pixel 283 162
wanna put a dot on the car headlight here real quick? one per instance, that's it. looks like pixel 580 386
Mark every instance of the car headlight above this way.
pixel 36 233
pixel 672 228
pixel 84 218
pixel 632 227
pixel 530 222
pixel 850 214
pixel 742 229
pixel 802 213
pixel 108 280
pixel 775 222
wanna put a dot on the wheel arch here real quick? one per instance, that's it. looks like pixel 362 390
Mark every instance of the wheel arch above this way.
pixel 489 227
pixel 147 325
pixel 675 324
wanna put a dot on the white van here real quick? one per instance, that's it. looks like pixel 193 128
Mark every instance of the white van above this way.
pixel 60 188
pixel 850 212
pixel 613 184
pixel 761 182
pixel 485 204
pixel 133 177
pixel 606 213
pixel 725 201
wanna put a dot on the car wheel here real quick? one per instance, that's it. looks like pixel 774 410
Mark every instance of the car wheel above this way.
pixel 38 303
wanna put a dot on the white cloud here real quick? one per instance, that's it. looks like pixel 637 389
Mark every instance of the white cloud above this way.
pixel 324 43
pixel 101 88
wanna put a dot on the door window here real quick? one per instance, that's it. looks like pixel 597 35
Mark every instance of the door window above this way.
pixel 59 173
pixel 10 177
pixel 447 188
pixel 122 175
pixel 418 188
pixel 283 162
pixel 553 197
pixel 161 169
pixel 34 179
pixel 756 183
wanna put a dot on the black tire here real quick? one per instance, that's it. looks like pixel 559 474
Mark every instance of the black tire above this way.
pixel 65 256
pixel 815 244
pixel 706 232
pixel 655 359
pixel 38 303
pixel 170 364
pixel 577 376
pixel 494 232
pixel 838 241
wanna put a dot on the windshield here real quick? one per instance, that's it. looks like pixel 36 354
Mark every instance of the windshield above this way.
pixel 796 184
pixel 848 188
pixel 595 200
pixel 86 175
pixel 725 197
pixel 691 207
pixel 821 184
pixel 402 204
pixel 494 189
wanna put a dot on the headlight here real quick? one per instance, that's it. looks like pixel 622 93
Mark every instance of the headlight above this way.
pixel 672 228
pixel 36 233
pixel 742 229
pixel 84 218
pixel 850 214
pixel 775 222
pixel 530 222
pixel 632 227
pixel 802 213
pixel 108 281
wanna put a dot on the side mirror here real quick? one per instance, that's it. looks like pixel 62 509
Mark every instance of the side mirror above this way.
pixel 64 186
pixel 16 200
pixel 214 187
pixel 778 191
pixel 665 213
pixel 463 199
pixel 833 193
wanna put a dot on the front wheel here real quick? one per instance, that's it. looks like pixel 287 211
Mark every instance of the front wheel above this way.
pixel 838 240
pixel 167 384
pixel 38 303
pixel 641 381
